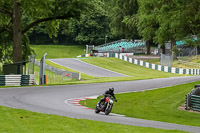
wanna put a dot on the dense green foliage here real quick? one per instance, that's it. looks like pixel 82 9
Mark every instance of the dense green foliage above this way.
pixel 160 105
pixel 94 22
pixel 92 27
pixel 168 20
pixel 153 21
pixel 18 17
pixel 123 18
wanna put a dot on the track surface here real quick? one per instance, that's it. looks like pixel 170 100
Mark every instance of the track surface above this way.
pixel 52 100
pixel 86 68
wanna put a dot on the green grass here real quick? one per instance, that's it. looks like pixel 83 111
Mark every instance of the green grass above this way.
pixel 160 105
pixel 189 59
pixel 55 79
pixel 84 76
pixel 175 63
pixel 194 59
pixel 52 78
pixel 58 51
pixel 134 72
pixel 19 121
pixel 129 69
pixel 154 61
pixel 22 121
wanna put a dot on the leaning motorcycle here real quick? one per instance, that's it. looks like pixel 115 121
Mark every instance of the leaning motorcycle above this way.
pixel 105 106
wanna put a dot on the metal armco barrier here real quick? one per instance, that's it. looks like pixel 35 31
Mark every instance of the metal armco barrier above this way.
pixel 193 99
pixel 17 80
pixel 71 75
pixel 195 102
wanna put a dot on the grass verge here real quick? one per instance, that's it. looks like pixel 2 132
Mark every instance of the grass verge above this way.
pixel 22 121
pixel 83 76
pixel 129 69
pixel 58 51
pixel 160 105
pixel 132 71
pixel 52 78
pixel 191 60
pixel 175 63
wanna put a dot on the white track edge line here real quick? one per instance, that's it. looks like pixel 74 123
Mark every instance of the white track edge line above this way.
pixel 103 68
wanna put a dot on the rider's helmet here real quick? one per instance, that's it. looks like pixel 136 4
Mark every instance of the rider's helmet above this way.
pixel 111 89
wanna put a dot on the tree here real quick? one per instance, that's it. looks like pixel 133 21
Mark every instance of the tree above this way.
pixel 124 18
pixel 171 21
pixel 191 14
pixel 91 28
pixel 147 24
pixel 17 17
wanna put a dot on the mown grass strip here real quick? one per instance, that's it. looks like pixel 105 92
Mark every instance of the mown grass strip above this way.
pixel 83 76
pixel 126 68
pixel 52 78
pixel 189 65
pixel 22 121
pixel 160 105
pixel 58 51
pixel 135 72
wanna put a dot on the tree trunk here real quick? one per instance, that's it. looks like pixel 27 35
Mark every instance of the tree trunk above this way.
pixel 173 44
pixel 148 45
pixel 174 50
pixel 17 33
pixel 163 49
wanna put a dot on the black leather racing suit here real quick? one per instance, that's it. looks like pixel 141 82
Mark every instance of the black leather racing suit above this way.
pixel 106 94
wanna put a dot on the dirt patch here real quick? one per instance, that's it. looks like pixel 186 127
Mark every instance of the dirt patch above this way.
pixel 182 107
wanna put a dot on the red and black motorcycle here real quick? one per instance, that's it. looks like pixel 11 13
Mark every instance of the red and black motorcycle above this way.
pixel 105 106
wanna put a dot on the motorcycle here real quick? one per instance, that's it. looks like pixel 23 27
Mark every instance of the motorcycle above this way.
pixel 105 106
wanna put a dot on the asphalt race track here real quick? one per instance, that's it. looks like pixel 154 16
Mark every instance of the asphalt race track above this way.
pixel 53 100
pixel 86 68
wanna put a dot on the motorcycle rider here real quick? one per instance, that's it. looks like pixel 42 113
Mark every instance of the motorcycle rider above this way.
pixel 110 91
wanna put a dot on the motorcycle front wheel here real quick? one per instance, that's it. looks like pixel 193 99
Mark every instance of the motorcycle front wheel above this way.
pixel 97 110
pixel 108 110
